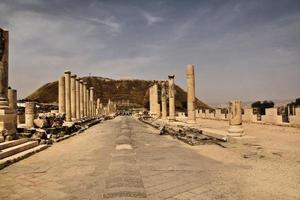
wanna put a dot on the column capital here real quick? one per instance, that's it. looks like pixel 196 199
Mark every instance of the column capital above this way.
pixel 67 72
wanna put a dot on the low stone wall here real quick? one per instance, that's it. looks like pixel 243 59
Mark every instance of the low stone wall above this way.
pixel 271 116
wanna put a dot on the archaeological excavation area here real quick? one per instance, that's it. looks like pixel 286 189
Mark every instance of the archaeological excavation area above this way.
pixel 100 138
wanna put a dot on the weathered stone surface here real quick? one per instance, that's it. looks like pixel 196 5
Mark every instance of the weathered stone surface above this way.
pixel 171 98
pixel 68 95
pixel 235 119
pixel 190 74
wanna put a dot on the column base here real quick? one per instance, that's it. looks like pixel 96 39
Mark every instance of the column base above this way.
pixel 191 121
pixel 8 123
pixel 236 131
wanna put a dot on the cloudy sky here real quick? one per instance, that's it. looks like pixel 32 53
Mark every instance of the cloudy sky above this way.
pixel 242 49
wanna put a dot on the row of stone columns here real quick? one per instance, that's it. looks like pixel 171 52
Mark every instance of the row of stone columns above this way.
pixel 75 99
pixel 153 97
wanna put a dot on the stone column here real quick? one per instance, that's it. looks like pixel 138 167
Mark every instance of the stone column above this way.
pixel 81 99
pixel 73 97
pixel 77 98
pixel 163 101
pixel 190 76
pixel 235 119
pixel 29 114
pixel 91 101
pixel 4 44
pixel 12 99
pixel 84 99
pixel 7 116
pixel 98 107
pixel 156 105
pixel 151 100
pixel 171 98
pixel 68 95
pixel 61 95
pixel 88 102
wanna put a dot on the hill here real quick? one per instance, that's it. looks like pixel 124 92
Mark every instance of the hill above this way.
pixel 136 91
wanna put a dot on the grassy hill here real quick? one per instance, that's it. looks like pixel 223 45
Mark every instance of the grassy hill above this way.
pixel 136 91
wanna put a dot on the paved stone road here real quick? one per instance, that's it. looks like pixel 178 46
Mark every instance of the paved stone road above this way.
pixel 124 159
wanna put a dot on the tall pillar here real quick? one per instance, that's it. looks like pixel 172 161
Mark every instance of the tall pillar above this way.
pixel 163 101
pixel 7 116
pixel 84 99
pixel 68 95
pixel 29 114
pixel 61 95
pixel 91 101
pixel 88 102
pixel 171 98
pixel 190 76
pixel 235 119
pixel 77 98
pixel 4 44
pixel 81 99
pixel 156 105
pixel 73 97
pixel 151 100
pixel 98 107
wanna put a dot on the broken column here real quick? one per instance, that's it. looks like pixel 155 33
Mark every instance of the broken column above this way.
pixel 190 76
pixel 29 114
pixel 235 119
pixel 61 95
pixel 73 97
pixel 77 98
pixel 171 98
pixel 163 101
pixel 7 116
pixel 68 95
pixel 91 101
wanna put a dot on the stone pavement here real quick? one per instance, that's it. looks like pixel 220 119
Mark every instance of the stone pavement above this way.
pixel 126 159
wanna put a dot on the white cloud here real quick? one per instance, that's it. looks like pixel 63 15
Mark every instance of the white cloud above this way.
pixel 152 19
pixel 109 22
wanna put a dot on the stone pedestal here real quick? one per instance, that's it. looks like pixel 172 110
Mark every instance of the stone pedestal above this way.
pixel 171 98
pixel 190 76
pixel 235 119
pixel 61 95
pixel 73 97
pixel 163 101
pixel 29 114
pixel 68 95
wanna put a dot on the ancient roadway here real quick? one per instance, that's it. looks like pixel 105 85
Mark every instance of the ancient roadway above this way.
pixel 118 159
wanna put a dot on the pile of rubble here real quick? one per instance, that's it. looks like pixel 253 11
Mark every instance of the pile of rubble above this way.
pixel 50 127
pixel 186 134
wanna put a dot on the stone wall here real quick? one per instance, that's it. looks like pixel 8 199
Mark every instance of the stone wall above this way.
pixel 271 116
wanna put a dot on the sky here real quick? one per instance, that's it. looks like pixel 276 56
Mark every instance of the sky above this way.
pixel 247 50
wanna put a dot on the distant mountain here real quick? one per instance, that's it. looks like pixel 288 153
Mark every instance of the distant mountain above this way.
pixel 136 91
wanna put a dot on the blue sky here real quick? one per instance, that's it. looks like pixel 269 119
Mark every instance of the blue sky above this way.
pixel 242 49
